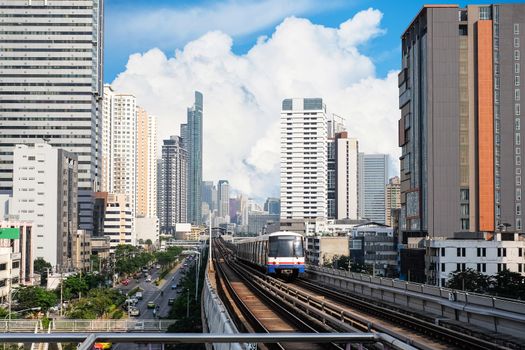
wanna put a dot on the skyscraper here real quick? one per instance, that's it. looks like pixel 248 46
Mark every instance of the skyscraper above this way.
pixel 146 164
pixel 272 205
pixel 342 176
pixel 191 133
pixel 208 189
pixel 303 160
pixel 373 176
pixel 121 117
pixel 223 199
pixel 52 86
pixel 392 198
pixel 172 185
pixel 460 127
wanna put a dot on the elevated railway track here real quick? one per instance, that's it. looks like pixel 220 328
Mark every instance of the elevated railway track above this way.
pixel 265 304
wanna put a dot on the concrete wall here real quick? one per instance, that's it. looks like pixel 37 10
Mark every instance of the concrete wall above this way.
pixel 505 316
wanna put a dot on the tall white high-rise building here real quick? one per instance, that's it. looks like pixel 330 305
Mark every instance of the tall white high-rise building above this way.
pixel 121 119
pixel 45 186
pixel 51 89
pixel 304 125
pixel 146 164
pixel 373 177
pixel 342 177
pixel 153 154
pixel 106 133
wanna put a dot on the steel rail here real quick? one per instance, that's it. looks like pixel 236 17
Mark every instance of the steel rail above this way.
pixel 252 320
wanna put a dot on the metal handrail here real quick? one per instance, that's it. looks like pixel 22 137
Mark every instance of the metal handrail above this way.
pixel 89 339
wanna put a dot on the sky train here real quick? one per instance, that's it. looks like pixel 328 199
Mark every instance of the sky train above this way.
pixel 279 253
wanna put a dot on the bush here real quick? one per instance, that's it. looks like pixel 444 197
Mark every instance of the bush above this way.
pixel 117 314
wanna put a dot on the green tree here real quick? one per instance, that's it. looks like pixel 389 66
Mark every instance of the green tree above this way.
pixel 74 286
pixel 509 284
pixel 99 302
pixel 35 296
pixel 469 280
pixel 41 267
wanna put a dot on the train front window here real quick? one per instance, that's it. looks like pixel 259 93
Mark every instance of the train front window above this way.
pixel 285 246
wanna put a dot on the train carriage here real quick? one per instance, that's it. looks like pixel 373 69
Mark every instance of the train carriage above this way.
pixel 279 253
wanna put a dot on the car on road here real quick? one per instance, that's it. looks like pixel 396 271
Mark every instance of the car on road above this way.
pixel 148 279
pixel 134 311
pixel 151 305
pixel 174 286
pixel 102 346
pixel 125 282
pixel 171 301
pixel 138 295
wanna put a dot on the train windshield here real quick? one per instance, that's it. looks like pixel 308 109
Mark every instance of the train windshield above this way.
pixel 285 246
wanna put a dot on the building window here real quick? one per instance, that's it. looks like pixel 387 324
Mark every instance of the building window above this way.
pixel 461 252
pixel 517 124
pixel 516 42
pixel 502 252
pixel 516 28
pixel 484 12
pixel 482 267
pixel 464 210
pixel 520 268
pixel 517 94
pixel 442 251
pixel 518 223
pixel 517 109
pixel 517 68
pixel 518 208
pixel 517 80
pixel 518 194
pixel 517 55
pixel 442 267
pixel 518 180
pixel 502 267
pixel 482 251
pixel 520 252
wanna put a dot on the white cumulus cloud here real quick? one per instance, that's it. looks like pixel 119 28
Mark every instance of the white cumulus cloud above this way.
pixel 243 93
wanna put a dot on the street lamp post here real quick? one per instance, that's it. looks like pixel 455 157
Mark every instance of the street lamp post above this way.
pixel 20 311
pixel 198 267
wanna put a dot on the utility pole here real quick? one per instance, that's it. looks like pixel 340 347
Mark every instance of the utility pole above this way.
pixel 210 261
pixel 10 262
pixel 187 303
pixel 61 290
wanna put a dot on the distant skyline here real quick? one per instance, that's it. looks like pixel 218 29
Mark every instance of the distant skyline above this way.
pixel 246 57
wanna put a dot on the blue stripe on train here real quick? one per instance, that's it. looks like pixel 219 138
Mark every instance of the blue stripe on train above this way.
pixel 272 268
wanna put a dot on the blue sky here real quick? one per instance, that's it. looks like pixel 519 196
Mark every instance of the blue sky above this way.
pixel 123 15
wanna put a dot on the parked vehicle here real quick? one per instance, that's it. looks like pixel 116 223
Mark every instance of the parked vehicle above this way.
pixel 148 279
pixel 151 305
pixel 174 286
pixel 125 282
pixel 171 301
pixel 138 296
pixel 134 311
